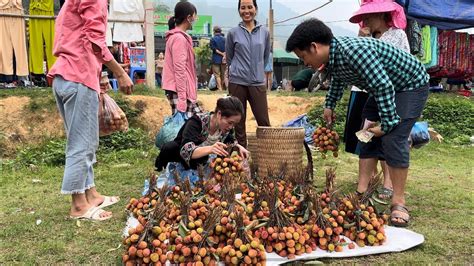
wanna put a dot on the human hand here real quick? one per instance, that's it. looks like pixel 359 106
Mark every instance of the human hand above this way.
pixel 125 84
pixel 329 117
pixel 244 153
pixel 364 32
pixel 377 131
pixel 219 149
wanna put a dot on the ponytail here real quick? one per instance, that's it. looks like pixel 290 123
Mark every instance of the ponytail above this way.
pixel 172 23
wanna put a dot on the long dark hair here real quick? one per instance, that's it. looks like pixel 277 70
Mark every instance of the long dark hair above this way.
pixel 181 12
pixel 229 106
pixel 254 4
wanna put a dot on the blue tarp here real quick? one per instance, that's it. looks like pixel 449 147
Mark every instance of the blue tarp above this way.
pixel 443 14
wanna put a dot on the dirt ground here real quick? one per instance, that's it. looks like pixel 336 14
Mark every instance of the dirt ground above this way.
pixel 17 126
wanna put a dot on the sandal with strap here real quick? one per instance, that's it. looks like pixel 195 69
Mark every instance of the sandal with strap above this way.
pixel 92 214
pixel 383 195
pixel 108 200
pixel 400 208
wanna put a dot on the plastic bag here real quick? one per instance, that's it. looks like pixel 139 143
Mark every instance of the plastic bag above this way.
pixel 302 121
pixel 419 135
pixel 212 83
pixel 111 117
pixel 170 129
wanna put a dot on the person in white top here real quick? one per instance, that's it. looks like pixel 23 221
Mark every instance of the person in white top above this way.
pixel 384 20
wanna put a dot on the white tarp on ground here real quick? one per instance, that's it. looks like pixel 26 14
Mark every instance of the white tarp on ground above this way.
pixel 398 239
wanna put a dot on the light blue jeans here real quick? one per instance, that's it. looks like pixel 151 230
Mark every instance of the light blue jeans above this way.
pixel 79 107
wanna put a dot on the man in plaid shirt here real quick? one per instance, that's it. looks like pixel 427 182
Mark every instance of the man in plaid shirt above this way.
pixel 396 82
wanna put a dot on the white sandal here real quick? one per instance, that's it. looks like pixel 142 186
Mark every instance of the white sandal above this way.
pixel 92 214
pixel 108 201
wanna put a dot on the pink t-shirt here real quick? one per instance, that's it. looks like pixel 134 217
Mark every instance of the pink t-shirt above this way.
pixel 81 23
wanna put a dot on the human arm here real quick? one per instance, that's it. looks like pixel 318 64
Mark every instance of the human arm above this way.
pixel 179 59
pixel 217 148
pixel 94 22
pixel 229 47
pixel 266 52
pixel 336 90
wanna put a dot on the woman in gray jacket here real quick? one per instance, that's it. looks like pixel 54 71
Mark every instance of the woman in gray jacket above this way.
pixel 247 50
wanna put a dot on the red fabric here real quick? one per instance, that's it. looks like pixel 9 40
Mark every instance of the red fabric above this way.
pixel 80 24
pixel 455 55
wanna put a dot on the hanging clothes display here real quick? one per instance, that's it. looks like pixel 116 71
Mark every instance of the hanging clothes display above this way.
pixel 413 31
pixel 127 10
pixel 455 55
pixel 426 44
pixel 434 48
pixel 12 39
pixel 41 35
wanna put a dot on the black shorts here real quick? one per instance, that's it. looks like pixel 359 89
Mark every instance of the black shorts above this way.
pixel 394 147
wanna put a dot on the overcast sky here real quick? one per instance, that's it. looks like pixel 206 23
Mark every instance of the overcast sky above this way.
pixel 335 11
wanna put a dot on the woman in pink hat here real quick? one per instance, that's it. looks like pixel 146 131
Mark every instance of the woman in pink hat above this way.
pixel 384 20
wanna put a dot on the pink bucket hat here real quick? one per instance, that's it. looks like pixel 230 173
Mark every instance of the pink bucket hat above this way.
pixel 381 6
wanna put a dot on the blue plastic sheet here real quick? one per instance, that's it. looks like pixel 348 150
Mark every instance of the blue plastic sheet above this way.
pixel 302 121
pixel 444 14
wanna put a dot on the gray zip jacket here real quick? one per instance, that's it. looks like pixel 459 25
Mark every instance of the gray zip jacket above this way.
pixel 246 54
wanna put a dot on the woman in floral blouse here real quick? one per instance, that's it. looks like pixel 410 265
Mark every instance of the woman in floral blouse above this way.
pixel 202 135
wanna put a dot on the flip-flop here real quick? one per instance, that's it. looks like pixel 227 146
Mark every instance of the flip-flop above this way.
pixel 108 201
pixel 92 214
pixel 383 195
pixel 400 208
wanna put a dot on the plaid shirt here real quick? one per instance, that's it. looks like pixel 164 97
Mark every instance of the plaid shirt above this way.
pixel 377 67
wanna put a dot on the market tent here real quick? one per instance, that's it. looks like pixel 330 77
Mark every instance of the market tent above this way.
pixel 443 14
pixel 282 57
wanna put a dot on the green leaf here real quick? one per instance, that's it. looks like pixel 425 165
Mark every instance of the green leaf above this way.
pixel 182 230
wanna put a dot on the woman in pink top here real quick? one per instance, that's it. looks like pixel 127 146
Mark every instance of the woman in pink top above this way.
pixel 179 74
pixel 79 44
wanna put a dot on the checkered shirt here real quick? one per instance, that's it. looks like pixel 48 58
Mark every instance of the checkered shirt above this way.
pixel 377 67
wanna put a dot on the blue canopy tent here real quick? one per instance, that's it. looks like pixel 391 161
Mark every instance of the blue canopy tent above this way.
pixel 443 14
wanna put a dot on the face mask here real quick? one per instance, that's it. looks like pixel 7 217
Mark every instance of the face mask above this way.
pixel 191 23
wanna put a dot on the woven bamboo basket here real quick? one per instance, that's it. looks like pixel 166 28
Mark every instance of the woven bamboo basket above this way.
pixel 252 146
pixel 278 146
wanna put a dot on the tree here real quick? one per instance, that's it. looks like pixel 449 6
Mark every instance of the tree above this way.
pixel 162 7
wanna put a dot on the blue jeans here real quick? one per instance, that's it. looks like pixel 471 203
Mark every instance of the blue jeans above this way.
pixel 79 107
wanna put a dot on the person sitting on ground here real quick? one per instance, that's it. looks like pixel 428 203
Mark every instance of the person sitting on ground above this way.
pixel 204 134
pixel 397 84
pixel 300 80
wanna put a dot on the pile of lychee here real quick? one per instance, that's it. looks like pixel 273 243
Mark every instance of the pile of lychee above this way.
pixel 326 140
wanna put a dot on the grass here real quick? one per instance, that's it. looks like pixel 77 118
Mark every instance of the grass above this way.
pixel 439 195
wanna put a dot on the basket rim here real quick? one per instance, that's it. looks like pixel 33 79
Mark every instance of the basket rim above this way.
pixel 286 128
